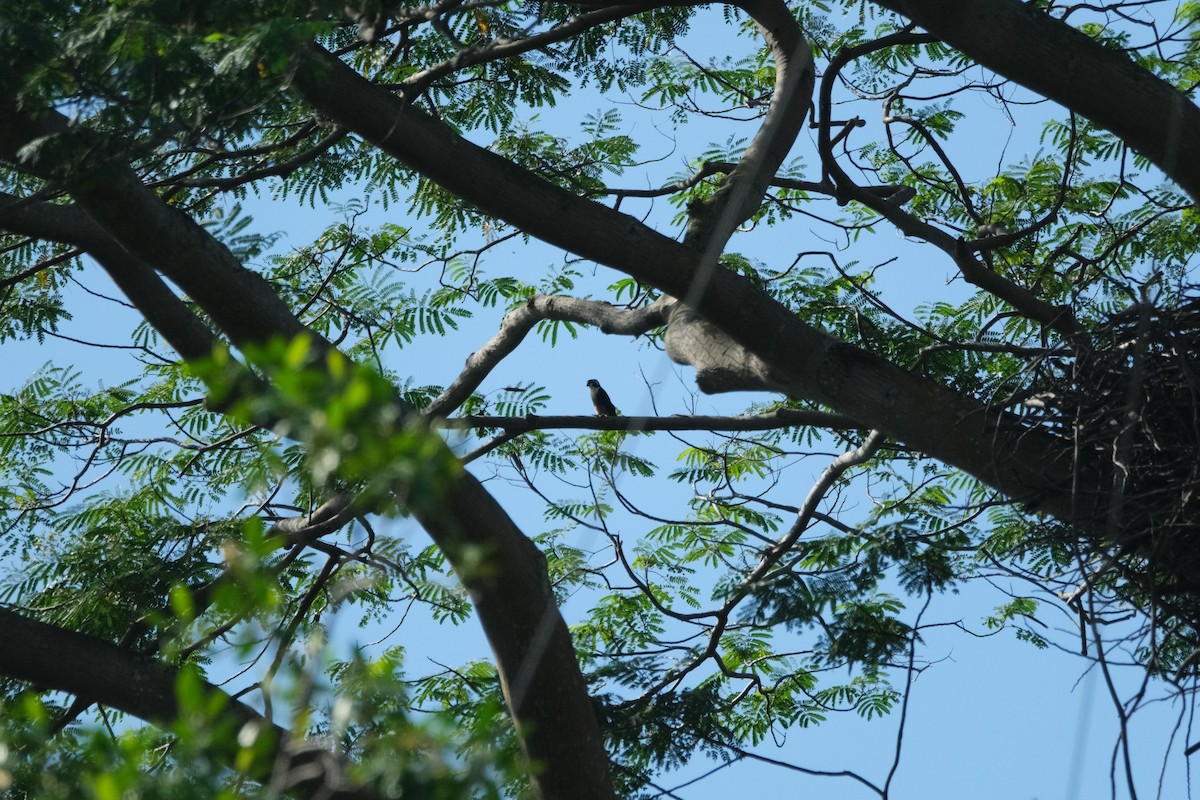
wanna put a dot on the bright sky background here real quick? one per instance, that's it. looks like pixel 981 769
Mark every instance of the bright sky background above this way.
pixel 991 718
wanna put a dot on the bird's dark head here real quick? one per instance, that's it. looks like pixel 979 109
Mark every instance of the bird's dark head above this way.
pixel 593 383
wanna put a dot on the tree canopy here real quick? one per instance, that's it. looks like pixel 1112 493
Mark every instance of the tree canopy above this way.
pixel 771 194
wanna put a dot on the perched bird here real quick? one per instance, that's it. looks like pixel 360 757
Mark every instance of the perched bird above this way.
pixel 604 406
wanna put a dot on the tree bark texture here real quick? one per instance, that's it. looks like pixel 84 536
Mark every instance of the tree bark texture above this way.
pixel 1023 43
pixel 67 661
pixel 792 356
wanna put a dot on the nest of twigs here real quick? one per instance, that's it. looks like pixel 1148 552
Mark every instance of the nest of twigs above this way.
pixel 1131 407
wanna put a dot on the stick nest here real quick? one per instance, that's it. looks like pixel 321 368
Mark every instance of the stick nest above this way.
pixel 1131 408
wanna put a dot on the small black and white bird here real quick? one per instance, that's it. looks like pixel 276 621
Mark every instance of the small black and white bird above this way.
pixel 604 406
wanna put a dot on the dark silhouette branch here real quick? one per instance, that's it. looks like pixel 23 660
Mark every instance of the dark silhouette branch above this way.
pixel 1025 44
pixel 804 362
pixel 53 658
pixel 1058 318
pixel 782 418
pixel 502 569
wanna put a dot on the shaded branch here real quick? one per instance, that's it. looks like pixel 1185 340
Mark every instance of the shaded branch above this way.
pixel 1024 43
pixel 804 362
pixel 330 516
pixel 893 194
pixel 281 169
pixel 161 307
pixel 782 418
pixel 54 658
pixel 507 48
pixel 1058 318
pixel 502 569
pixel 713 221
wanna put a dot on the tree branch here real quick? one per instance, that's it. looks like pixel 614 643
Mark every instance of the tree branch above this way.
pixel 161 307
pixel 1022 42
pixel 781 418
pixel 712 222
pixel 1026 464
pixel 507 48
pixel 1058 318
pixel 502 569
pixel 66 661
pixel 521 320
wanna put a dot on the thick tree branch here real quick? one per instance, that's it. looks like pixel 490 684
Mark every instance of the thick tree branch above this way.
pixel 53 658
pixel 1022 42
pixel 330 516
pixel 504 572
pixel 239 300
pixel 539 673
pixel 802 361
pixel 161 307
pixel 806 363
pixel 712 222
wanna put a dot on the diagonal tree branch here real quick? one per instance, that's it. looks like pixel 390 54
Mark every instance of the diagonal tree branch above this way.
pixel 507 48
pixel 62 660
pixel 502 569
pixel 712 222
pixel 1022 42
pixel 161 307
pixel 804 362
pixel 1058 318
